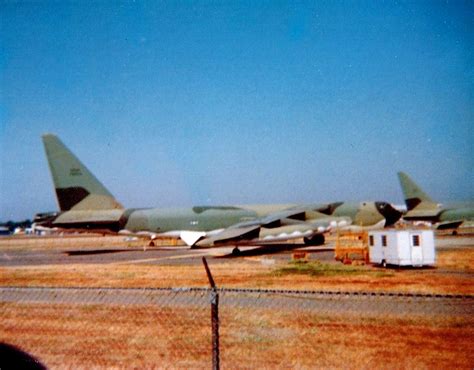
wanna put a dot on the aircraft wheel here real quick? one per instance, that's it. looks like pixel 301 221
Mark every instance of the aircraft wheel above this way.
pixel 236 251
pixel 317 239
pixel 384 263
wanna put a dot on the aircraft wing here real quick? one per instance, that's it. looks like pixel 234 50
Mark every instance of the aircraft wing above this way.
pixel 291 224
pixel 257 234
pixel 231 235
pixel 448 225
pixel 276 219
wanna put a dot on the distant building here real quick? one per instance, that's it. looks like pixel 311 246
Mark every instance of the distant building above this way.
pixel 4 230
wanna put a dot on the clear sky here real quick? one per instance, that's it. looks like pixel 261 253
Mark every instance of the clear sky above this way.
pixel 180 103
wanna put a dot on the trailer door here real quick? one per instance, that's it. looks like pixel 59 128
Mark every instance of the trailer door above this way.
pixel 416 249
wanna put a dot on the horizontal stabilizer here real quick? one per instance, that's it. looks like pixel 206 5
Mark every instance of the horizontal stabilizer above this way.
pixel 422 214
pixel 448 225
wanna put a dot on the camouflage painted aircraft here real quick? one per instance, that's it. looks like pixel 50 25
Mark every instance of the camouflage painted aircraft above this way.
pixel 420 207
pixel 86 204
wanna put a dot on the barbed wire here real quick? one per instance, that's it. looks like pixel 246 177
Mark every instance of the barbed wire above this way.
pixel 252 290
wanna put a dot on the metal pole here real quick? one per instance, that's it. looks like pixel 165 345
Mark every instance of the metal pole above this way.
pixel 214 317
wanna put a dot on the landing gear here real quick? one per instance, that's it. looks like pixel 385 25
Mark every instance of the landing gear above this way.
pixel 151 243
pixel 236 252
pixel 317 239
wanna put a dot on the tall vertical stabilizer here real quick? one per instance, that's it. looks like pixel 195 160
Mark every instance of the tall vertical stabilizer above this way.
pixel 415 197
pixel 76 187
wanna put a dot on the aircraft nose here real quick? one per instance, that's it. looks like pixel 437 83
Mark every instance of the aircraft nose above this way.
pixel 386 210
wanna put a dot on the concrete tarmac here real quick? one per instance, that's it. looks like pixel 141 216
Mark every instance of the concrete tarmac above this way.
pixel 163 255
pixel 173 255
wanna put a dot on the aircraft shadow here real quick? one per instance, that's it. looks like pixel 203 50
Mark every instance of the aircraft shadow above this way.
pixel 101 251
pixel 272 249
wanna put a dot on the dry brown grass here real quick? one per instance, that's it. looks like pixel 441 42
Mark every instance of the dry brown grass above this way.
pixel 251 273
pixel 458 260
pixel 81 336
pixel 312 340
pixel 75 336
pixel 74 242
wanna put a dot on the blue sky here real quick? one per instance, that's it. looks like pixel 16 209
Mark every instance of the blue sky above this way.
pixel 181 103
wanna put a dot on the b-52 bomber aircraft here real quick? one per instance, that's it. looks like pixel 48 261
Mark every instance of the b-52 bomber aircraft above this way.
pixel 85 204
pixel 420 207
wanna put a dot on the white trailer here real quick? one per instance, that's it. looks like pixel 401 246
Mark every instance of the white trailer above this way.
pixel 408 247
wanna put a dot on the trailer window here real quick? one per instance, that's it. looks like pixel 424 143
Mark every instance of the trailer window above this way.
pixel 384 240
pixel 371 240
pixel 415 240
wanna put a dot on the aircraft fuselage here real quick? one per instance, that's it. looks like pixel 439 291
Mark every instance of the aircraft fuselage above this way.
pixel 206 218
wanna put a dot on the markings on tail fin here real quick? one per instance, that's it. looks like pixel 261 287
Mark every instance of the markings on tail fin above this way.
pixel 414 195
pixel 76 187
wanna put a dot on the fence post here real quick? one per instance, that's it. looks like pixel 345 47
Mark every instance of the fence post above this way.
pixel 214 317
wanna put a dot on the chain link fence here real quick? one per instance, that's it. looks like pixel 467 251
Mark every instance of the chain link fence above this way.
pixel 172 328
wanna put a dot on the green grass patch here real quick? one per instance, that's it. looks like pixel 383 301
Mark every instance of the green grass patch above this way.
pixel 316 268
pixel 127 275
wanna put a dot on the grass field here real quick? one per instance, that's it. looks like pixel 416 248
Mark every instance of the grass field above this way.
pixel 453 274
pixel 71 336
pixel 240 275
pixel 98 336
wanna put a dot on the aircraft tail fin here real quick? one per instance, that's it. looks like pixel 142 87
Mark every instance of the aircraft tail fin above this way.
pixel 415 197
pixel 76 187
